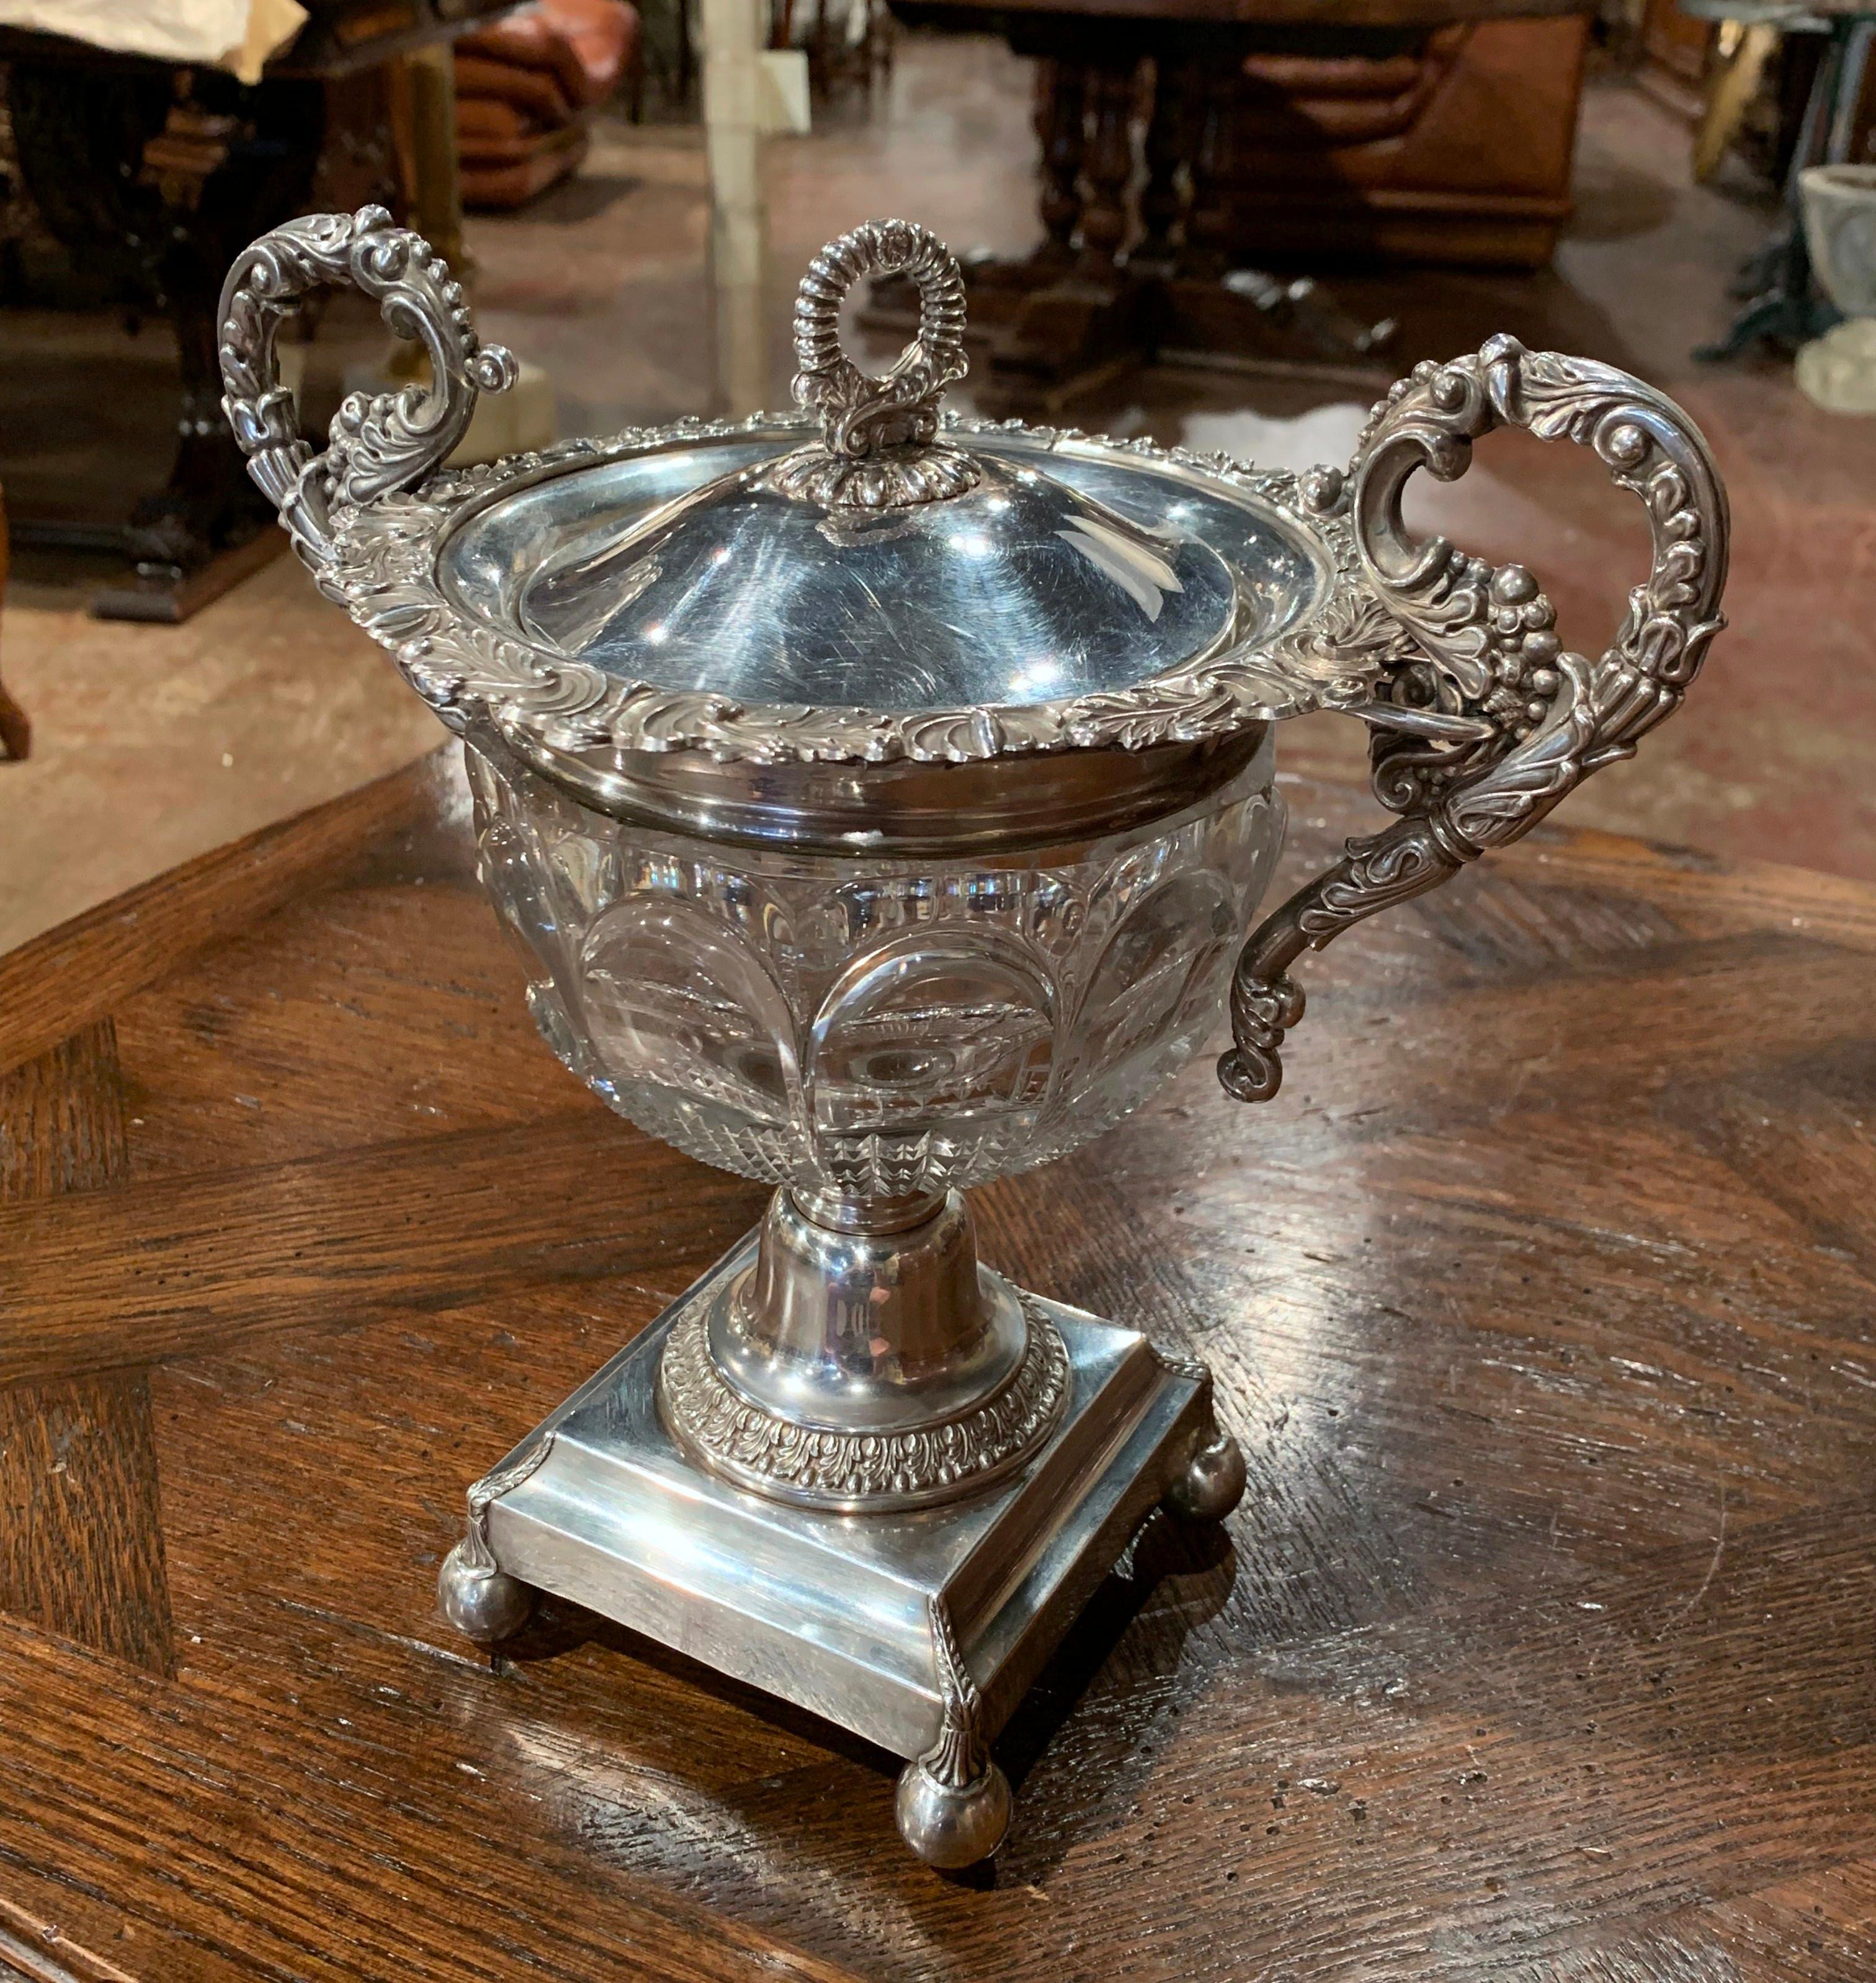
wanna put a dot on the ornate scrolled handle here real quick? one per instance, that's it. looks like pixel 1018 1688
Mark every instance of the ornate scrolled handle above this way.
pixel 376 444
pixel 1535 719
pixel 878 447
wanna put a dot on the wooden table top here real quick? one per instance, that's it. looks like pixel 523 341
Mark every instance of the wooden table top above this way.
pixel 1541 1648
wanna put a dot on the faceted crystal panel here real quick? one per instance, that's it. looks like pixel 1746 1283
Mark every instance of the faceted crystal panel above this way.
pixel 667 987
pixel 874 1025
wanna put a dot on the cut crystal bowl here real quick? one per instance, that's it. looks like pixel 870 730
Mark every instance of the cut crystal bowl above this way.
pixel 880 802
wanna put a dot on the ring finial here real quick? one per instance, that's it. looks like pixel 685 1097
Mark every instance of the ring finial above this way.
pixel 879 446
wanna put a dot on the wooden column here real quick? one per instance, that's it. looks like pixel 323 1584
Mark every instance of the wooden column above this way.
pixel 1062 110
pixel 1211 89
pixel 1163 199
pixel 423 84
pixel 1108 160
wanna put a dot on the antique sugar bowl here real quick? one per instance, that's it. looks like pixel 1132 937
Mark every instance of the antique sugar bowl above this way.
pixel 879 801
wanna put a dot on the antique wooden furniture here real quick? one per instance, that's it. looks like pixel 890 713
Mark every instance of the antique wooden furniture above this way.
pixel 16 730
pixel 1285 129
pixel 1456 148
pixel 847 44
pixel 1675 50
pixel 1539 1647
pixel 153 177
pixel 527 85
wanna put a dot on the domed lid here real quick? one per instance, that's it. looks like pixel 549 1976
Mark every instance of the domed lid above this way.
pixel 1013 588
pixel 879 567
pixel 866 582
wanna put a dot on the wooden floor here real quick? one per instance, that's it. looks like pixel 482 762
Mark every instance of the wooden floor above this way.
pixel 1542 1647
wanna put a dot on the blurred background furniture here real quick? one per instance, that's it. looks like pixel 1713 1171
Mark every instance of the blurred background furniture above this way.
pixel 1782 305
pixel 667 67
pixel 527 86
pixel 848 43
pixel 15 731
pixel 1457 148
pixel 151 175
pixel 1270 131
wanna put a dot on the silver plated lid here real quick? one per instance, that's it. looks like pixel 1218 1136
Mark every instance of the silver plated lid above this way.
pixel 867 581
pixel 1015 589
pixel 881 565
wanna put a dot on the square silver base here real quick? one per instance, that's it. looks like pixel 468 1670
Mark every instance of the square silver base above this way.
pixel 909 1629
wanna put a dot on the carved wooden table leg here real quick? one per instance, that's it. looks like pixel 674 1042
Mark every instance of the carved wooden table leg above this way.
pixel 1167 145
pixel 16 731
pixel 1093 300
pixel 1208 79
pixel 998 286
pixel 155 177
pixel 1095 320
pixel 1078 309
pixel 1209 309
pixel 1061 120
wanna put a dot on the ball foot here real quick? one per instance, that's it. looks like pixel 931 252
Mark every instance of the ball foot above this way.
pixel 484 1602
pixel 1211 1483
pixel 952 1827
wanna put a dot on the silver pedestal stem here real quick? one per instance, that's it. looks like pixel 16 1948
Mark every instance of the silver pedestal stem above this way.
pixel 864 1361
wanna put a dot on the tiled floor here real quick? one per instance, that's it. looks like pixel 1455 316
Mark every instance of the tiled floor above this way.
pixel 152 744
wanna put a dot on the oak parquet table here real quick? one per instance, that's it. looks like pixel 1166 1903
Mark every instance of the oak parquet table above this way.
pixel 1541 1648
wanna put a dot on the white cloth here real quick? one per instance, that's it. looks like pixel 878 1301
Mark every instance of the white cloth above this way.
pixel 235 34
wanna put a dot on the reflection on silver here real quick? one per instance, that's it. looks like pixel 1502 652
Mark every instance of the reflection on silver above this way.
pixel 735 589
pixel 877 800
pixel 1120 554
